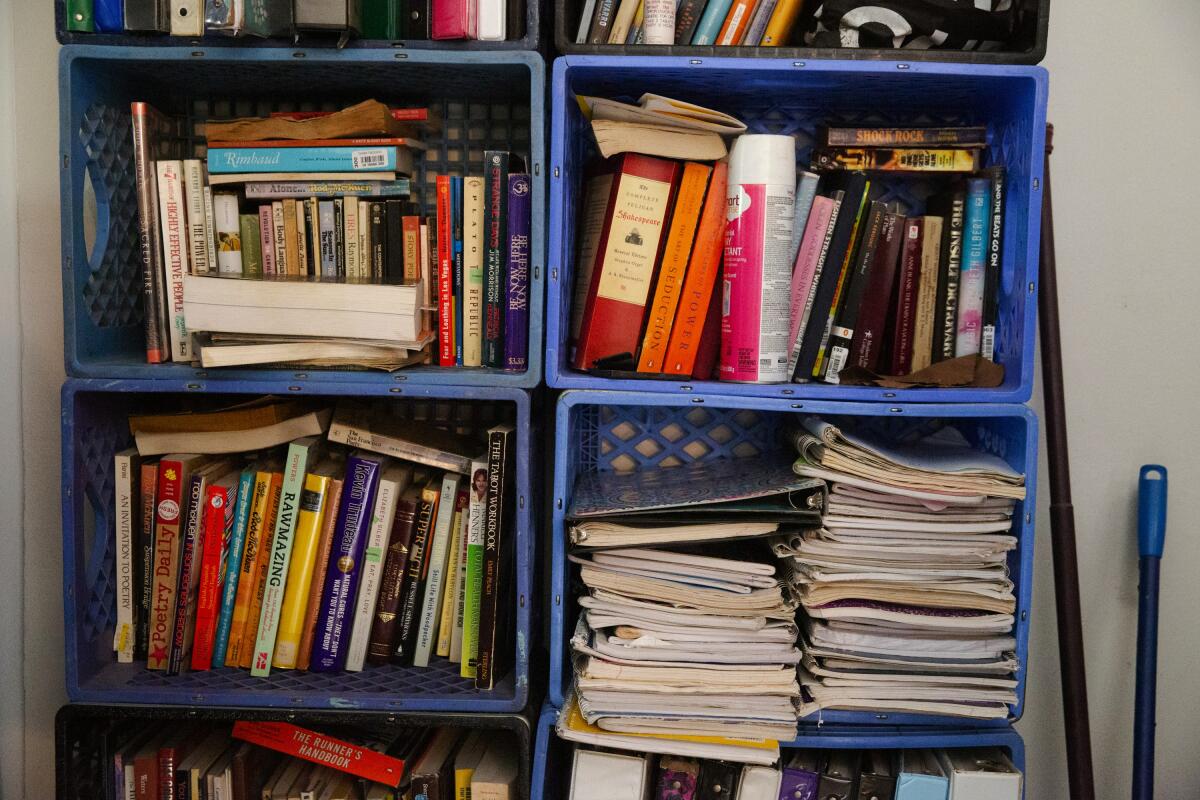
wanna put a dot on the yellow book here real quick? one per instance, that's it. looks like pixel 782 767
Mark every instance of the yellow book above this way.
pixel 258 579
pixel 465 762
pixel 300 570
pixel 780 25
pixel 254 529
pixel 450 596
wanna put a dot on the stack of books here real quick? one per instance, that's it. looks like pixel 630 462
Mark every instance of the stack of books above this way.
pixel 907 604
pixel 276 538
pixel 279 760
pixel 725 23
pixel 833 774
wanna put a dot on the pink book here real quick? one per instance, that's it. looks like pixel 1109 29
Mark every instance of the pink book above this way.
pixel 266 226
pixel 807 258
pixel 453 19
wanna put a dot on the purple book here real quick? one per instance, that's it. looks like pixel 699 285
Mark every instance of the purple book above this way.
pixel 332 635
pixel 516 290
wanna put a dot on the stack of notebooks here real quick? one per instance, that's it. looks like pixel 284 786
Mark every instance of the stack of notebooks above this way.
pixel 975 774
pixel 907 603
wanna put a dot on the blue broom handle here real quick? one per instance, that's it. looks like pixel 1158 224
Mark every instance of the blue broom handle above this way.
pixel 1152 530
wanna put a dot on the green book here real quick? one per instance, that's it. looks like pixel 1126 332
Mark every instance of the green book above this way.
pixel 301 453
pixel 381 19
pixel 473 589
pixel 251 233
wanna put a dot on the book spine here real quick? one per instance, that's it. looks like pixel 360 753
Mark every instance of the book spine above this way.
pixel 445 264
pixel 291 257
pixel 245 584
pixel 872 320
pixel 904 329
pixel 175 253
pixel 279 558
pixel 410 231
pixel 234 160
pixel 127 477
pixel 972 275
pixel 393 265
pixel 391 585
pixel 350 236
pixel 282 190
pixel 806 195
pixel 905 137
pixel 495 228
pixel 149 234
pixel 516 306
pixel 266 241
pixel 622 21
pixel 303 256
pixel 758 23
pixel 319 748
pixel 944 331
pixel 219 514
pixel 364 239
pixel 145 557
pixel 167 758
pixel 592 216
pixel 687 17
pixel 435 572
pixel 261 567
pixel 339 236
pixel 585 21
pixel 193 189
pixel 358 499
pixel 460 582
pixel 711 21
pixel 326 239
pixel 227 223
pixel 806 273
pixel 861 244
pixel 736 21
pixel 456 262
pixel 880 233
pixel 312 229
pixel 414 576
pixel 473 584
pixel 931 246
pixel 233 566
pixel 895 160
pixel 316 586
pixel 685 219
pixel 189 547
pixel 708 350
pixel 495 519
pixel 210 227
pixel 445 627
pixel 353 433
pixel 995 263
pixel 251 253
pixel 168 521
pixel 602 21
pixel 300 571
pixel 371 571
pixel 379 254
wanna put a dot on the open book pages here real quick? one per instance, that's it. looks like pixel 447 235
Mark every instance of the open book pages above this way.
pixel 618 136
pixel 662 112
pixel 600 533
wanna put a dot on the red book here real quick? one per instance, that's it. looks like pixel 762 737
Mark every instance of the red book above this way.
pixel 410 227
pixel 873 313
pixel 217 522
pixel 906 299
pixel 453 19
pixel 627 255
pixel 709 351
pixel 145 770
pixel 173 473
pixel 318 748
pixel 445 262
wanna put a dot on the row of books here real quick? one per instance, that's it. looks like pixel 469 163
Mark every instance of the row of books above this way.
pixel 281 761
pixel 960 774
pixel 483 20
pixel 315 556
pixel 725 23
pixel 667 285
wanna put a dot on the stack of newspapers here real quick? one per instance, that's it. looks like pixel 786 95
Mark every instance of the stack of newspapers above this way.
pixel 905 590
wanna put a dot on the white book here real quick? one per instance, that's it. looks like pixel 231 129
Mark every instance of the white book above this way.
pixel 585 21
pixel 302 241
pixel 130 781
pixel 491 21
pixel 981 774
pixel 193 190
pixel 598 775
pixel 350 235
pixel 396 478
pixel 210 226
pixel 229 234
pixel 460 600
pixel 175 253
pixel 473 241
pixel 453 589
pixel 426 277
pixel 128 481
pixel 364 239
pixel 282 267
pixel 435 580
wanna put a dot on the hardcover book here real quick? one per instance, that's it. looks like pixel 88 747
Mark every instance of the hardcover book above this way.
pixel 414 576
pixel 384 626
pixel 904 314
pixel 516 306
pixel 867 344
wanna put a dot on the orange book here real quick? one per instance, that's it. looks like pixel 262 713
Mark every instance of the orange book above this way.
pixel 245 586
pixel 259 584
pixel 700 280
pixel 780 25
pixel 688 204
pixel 736 22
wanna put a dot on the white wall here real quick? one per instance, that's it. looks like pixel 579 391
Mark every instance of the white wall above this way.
pixel 1123 94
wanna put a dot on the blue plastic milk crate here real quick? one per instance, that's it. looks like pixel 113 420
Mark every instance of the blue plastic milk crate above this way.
pixel 552 755
pixel 95 428
pixel 627 432
pixel 795 97
pixel 487 100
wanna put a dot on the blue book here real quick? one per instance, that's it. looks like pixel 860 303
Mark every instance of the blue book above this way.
pixel 921 777
pixel 227 160
pixel 332 636
pixel 233 566
pixel 108 16
pixel 516 305
pixel 456 237
pixel 327 238
pixel 972 273
pixel 711 21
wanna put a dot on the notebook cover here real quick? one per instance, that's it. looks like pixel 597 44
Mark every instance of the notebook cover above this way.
pixel 837 775
pixel 717 780
pixel 877 775
pixel 678 778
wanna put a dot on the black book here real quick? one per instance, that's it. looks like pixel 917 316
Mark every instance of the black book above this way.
pixel 147 16
pixel 995 261
pixel 339 235
pixel 497 164
pixel 378 238
pixel 414 577
pixel 497 557
pixel 514 24
pixel 393 265
pixel 687 17
pixel 854 186
pixel 145 565
pixel 312 235
pixel 845 311
pixel 602 21
pixel 952 206
pixel 718 780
